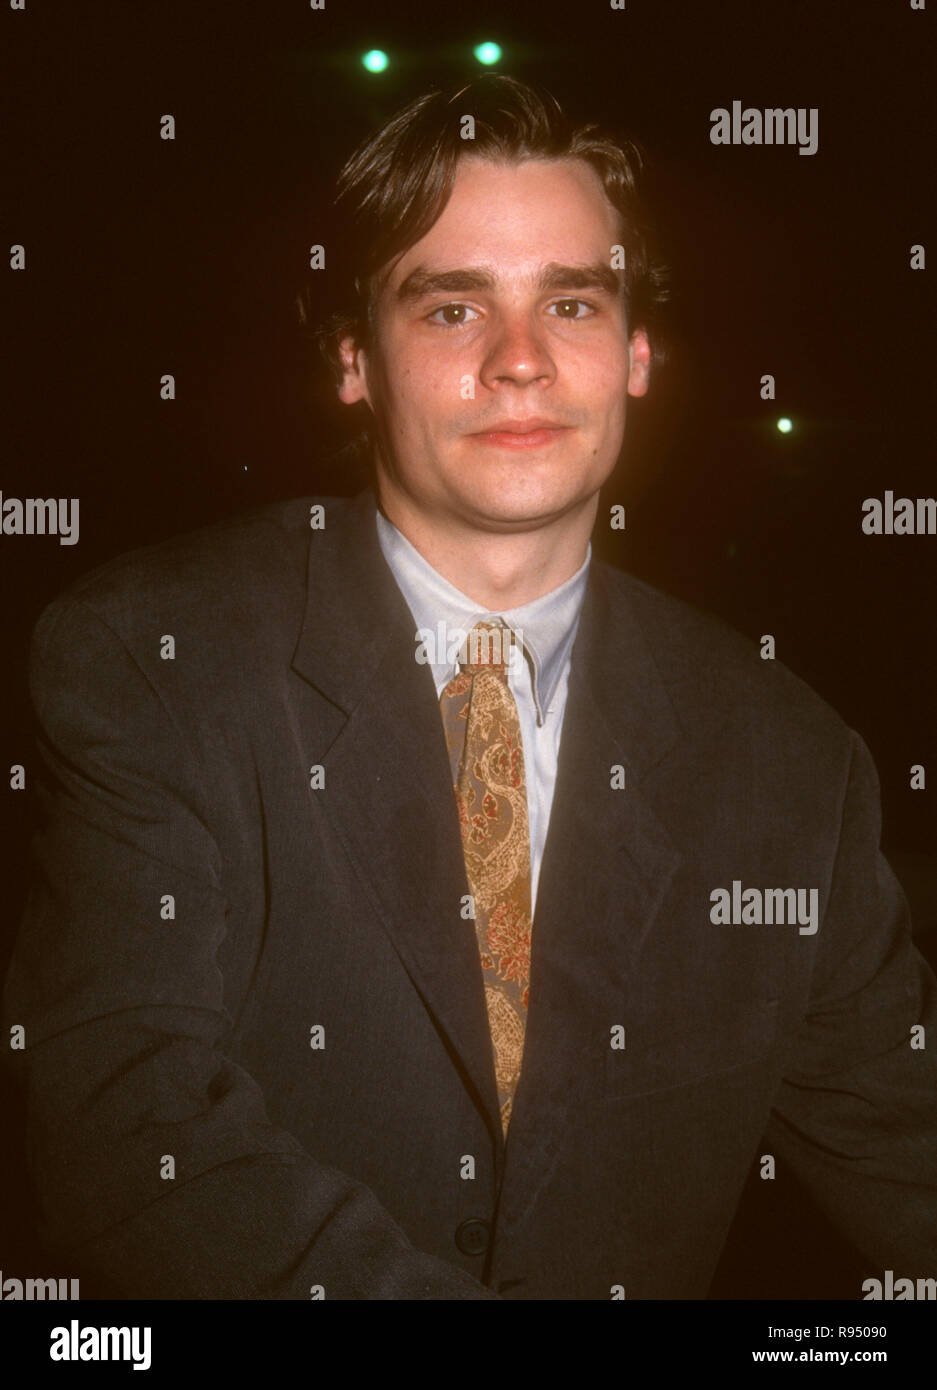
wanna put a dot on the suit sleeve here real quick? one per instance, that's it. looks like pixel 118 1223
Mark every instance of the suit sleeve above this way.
pixel 856 1115
pixel 156 1170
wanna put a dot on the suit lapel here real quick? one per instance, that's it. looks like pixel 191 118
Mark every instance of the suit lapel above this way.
pixel 607 865
pixel 388 791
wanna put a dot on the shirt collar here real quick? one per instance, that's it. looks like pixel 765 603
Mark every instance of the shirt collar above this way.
pixel 547 625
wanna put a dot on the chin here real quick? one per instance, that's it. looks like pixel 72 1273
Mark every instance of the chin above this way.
pixel 498 507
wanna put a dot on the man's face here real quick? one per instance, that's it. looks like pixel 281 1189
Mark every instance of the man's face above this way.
pixel 500 362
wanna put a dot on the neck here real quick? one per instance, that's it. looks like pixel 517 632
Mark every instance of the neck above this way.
pixel 499 570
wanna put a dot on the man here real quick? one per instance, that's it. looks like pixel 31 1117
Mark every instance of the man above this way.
pixel 423 909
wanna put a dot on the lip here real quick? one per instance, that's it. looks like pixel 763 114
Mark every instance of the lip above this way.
pixel 530 433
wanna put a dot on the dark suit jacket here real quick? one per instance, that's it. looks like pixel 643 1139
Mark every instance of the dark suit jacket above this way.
pixel 343 1165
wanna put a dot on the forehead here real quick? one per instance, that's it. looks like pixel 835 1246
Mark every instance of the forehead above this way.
pixel 517 215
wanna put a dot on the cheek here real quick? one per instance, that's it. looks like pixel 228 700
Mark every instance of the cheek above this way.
pixel 612 382
pixel 420 385
pixel 604 386
pixel 601 365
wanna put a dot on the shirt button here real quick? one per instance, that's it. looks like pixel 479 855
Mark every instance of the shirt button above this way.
pixel 472 1237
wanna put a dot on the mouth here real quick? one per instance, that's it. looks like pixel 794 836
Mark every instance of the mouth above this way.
pixel 521 434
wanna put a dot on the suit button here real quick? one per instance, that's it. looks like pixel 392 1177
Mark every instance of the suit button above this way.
pixel 472 1237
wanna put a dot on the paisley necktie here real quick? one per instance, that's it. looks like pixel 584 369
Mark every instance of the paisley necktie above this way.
pixel 487 759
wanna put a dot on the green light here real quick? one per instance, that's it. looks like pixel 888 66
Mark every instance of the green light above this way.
pixel 785 425
pixel 374 60
pixel 488 53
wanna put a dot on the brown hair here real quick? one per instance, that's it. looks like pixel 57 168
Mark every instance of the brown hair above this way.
pixel 398 181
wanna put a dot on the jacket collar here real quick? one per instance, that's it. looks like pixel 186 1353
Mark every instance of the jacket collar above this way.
pixel 343 641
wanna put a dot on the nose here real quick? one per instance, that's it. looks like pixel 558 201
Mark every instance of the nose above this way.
pixel 517 354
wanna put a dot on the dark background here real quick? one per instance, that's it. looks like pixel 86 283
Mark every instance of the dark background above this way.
pixel 146 257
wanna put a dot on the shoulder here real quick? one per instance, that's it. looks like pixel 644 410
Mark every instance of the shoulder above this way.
pixel 249 569
pixel 225 602
pixel 717 677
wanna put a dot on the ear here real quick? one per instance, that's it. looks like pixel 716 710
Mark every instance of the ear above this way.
pixel 354 384
pixel 639 363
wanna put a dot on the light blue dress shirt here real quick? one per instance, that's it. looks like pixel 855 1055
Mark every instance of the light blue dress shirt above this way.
pixel 538 679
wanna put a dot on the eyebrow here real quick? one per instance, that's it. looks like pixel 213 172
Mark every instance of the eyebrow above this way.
pixel 552 276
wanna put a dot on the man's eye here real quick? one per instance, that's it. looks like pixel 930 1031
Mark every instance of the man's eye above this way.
pixel 568 308
pixel 455 315
pixel 452 315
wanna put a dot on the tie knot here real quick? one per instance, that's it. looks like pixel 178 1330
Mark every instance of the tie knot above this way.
pixel 486 648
